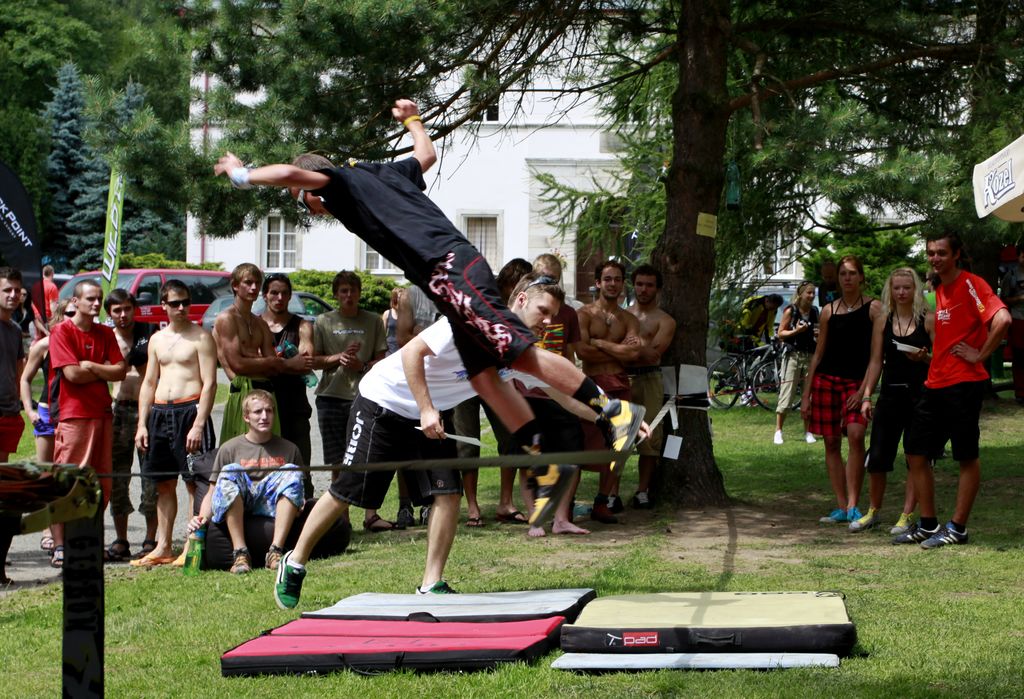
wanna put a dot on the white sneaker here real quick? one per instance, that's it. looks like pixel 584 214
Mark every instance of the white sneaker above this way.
pixel 809 438
pixel 778 437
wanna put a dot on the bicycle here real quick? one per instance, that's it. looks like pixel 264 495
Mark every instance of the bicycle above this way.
pixel 751 372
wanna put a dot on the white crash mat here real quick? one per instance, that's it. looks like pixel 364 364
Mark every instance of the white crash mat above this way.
pixel 681 622
pixel 482 607
pixel 608 662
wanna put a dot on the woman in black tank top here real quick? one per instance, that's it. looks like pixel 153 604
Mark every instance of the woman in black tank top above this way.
pixel 903 324
pixel 832 390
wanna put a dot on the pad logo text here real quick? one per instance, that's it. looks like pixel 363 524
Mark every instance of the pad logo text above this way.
pixel 640 638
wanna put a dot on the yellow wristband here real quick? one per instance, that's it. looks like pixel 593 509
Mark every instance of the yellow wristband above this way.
pixel 409 119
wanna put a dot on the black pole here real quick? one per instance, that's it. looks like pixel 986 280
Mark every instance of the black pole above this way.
pixel 83 607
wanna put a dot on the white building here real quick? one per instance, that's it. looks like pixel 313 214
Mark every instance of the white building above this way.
pixel 482 181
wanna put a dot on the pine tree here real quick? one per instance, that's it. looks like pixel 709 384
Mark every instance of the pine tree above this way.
pixel 69 160
pixel 145 226
pixel 87 224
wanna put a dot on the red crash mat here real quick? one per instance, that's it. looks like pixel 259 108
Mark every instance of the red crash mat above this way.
pixel 327 645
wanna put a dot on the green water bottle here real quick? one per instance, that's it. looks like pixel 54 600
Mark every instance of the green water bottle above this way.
pixel 194 556
pixel 288 350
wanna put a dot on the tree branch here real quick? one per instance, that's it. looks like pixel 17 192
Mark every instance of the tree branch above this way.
pixel 949 52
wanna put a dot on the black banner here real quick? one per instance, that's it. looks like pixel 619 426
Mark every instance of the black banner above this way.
pixel 19 240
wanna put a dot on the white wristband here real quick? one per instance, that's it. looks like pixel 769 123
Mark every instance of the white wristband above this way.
pixel 239 177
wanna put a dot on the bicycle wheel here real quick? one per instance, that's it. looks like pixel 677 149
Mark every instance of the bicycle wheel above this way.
pixel 765 385
pixel 725 382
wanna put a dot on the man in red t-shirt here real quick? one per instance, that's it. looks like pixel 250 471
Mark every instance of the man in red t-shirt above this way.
pixel 970 323
pixel 84 357
pixel 45 294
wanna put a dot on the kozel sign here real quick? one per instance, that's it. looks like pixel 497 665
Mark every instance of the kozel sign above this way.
pixel 998 188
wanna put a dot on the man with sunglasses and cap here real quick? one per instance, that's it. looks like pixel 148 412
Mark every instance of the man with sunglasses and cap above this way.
pixel 175 401
pixel 384 204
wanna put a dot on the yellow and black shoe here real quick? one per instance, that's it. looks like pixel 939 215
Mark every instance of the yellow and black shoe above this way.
pixel 548 484
pixel 620 421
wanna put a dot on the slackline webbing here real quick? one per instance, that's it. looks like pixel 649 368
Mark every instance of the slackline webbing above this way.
pixel 516 460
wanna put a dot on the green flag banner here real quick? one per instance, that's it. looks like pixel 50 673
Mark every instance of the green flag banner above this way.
pixel 112 233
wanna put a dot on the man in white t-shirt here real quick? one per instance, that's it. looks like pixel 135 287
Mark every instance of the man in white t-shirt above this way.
pixel 400 403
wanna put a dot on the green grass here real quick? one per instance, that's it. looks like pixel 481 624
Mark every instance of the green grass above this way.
pixel 946 623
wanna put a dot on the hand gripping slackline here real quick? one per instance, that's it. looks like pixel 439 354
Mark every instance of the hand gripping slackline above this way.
pixel 45 494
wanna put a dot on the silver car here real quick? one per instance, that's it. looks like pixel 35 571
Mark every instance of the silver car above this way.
pixel 304 304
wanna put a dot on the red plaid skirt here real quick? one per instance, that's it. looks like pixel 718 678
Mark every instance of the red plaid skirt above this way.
pixel 829 416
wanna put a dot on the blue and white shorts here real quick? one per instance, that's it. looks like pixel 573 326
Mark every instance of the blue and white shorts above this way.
pixel 258 497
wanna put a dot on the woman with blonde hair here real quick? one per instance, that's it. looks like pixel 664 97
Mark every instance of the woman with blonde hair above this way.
pixel 901 341
pixel 834 384
pixel 797 330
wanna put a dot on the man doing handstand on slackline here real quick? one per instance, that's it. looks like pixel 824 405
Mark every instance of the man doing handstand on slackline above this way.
pixel 383 203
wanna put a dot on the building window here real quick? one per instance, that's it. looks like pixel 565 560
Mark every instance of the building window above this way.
pixel 373 261
pixel 281 244
pixel 785 256
pixel 482 232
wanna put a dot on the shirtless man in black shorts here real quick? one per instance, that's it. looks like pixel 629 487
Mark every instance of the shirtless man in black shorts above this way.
pixel 175 401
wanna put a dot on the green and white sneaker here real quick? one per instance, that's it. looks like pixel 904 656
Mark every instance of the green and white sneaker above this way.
pixel 289 583
pixel 866 522
pixel 439 588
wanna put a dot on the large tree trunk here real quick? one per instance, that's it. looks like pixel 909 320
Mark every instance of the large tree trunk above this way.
pixel 700 116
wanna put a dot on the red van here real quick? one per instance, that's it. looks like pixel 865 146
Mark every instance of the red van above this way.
pixel 144 284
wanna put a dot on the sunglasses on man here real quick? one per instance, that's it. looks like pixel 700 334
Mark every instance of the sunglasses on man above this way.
pixel 543 279
pixel 179 303
pixel 301 201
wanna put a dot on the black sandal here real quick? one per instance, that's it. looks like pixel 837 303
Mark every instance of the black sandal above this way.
pixel 368 524
pixel 117 552
pixel 57 560
pixel 148 546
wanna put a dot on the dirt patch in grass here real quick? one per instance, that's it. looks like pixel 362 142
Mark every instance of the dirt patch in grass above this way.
pixel 733 539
